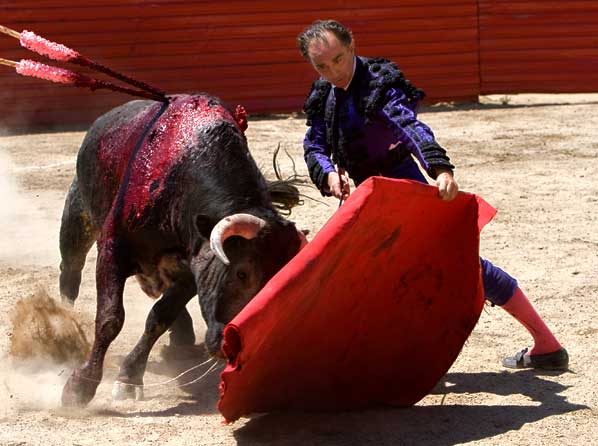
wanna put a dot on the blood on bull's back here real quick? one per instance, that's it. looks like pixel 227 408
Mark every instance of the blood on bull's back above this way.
pixel 132 149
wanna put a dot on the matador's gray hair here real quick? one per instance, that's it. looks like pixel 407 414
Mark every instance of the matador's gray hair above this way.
pixel 317 30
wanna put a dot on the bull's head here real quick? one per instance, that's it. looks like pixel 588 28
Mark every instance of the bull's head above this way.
pixel 242 254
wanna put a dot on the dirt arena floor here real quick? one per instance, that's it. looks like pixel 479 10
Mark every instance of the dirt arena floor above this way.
pixel 533 157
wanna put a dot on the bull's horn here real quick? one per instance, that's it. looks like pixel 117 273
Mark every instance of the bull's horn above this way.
pixel 244 225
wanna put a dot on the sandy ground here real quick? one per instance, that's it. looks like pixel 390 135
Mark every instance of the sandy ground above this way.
pixel 532 157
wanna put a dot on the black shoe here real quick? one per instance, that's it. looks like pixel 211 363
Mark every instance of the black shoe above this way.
pixel 558 360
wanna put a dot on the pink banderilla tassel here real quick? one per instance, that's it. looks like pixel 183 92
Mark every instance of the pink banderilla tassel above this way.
pixel 45 47
pixel 31 68
pixel 60 52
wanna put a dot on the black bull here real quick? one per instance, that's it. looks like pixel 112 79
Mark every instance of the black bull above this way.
pixel 171 195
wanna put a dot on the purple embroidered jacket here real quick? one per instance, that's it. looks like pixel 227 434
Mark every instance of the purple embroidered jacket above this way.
pixel 356 128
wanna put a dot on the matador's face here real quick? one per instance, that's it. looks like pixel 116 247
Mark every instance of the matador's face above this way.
pixel 332 59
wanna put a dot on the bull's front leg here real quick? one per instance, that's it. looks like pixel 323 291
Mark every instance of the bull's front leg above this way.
pixel 111 274
pixel 162 315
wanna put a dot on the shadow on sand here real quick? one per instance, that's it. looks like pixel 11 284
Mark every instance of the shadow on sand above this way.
pixel 468 106
pixel 442 425
pixel 445 107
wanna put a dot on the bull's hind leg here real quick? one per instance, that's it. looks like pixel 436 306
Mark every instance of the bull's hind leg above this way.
pixel 162 315
pixel 77 235
pixel 112 270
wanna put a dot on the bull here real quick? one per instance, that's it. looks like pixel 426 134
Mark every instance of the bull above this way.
pixel 171 195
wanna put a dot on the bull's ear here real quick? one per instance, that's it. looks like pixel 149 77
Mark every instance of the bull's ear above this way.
pixel 204 225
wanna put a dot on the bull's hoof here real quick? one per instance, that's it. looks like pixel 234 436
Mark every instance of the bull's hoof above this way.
pixel 77 393
pixel 67 301
pixel 125 391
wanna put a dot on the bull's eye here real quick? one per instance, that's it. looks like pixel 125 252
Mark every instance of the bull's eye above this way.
pixel 241 275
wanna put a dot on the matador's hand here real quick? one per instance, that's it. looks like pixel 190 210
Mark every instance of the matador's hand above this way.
pixel 334 184
pixel 447 186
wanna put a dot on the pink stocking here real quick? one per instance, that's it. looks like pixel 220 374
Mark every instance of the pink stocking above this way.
pixel 522 309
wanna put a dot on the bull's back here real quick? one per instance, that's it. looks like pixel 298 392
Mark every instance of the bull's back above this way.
pixel 130 151
pixel 105 153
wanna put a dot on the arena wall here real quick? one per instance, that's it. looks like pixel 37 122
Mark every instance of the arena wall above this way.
pixel 245 52
pixel 538 46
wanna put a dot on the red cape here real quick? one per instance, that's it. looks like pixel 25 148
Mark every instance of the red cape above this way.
pixel 373 311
